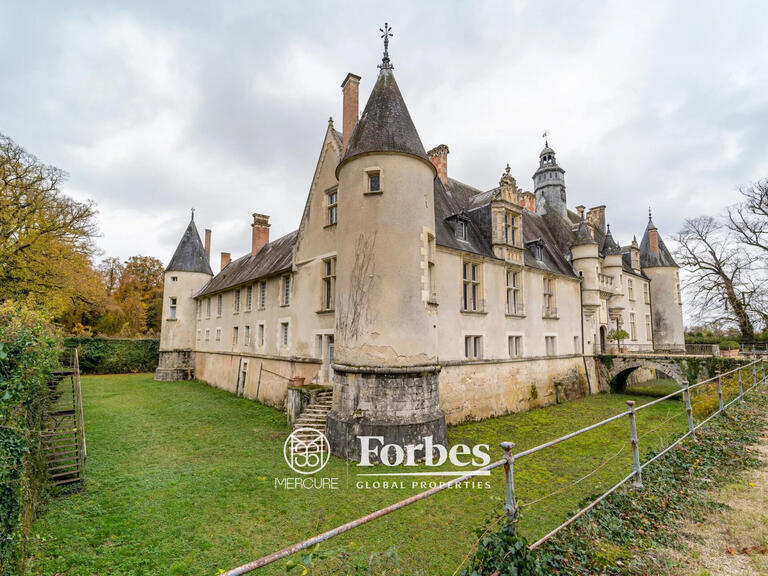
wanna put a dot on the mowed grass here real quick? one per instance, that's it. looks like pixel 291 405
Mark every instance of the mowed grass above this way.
pixel 181 480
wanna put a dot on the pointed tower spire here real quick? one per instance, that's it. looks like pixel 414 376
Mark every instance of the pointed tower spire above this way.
pixel 190 254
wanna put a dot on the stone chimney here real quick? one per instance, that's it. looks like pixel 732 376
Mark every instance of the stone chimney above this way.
pixel 580 210
pixel 351 90
pixel 225 258
pixel 528 201
pixel 208 245
pixel 596 216
pixel 634 255
pixel 259 232
pixel 439 158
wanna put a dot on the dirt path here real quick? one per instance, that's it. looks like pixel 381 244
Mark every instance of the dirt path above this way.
pixel 733 542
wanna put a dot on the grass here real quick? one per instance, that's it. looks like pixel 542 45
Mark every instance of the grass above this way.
pixel 656 387
pixel 181 480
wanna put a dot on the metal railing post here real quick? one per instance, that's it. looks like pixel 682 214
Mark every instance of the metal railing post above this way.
pixel 720 393
pixel 754 372
pixel 509 478
pixel 741 386
pixel 689 409
pixel 634 443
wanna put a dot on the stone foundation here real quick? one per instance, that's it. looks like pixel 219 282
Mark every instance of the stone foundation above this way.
pixel 175 365
pixel 401 407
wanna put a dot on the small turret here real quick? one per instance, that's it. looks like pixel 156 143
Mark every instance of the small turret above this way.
pixel 584 252
pixel 549 184
pixel 186 274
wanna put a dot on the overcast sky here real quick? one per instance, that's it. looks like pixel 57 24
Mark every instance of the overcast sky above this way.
pixel 156 107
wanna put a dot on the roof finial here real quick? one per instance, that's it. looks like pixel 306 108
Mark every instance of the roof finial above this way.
pixel 386 33
pixel 546 138
pixel 609 228
pixel 193 213
pixel 649 213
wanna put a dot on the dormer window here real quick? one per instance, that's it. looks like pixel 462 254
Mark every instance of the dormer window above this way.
pixel 540 252
pixel 461 230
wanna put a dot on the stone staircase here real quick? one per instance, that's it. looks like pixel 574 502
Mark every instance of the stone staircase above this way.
pixel 315 414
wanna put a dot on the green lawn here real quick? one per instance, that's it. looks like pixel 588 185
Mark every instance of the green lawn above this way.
pixel 181 480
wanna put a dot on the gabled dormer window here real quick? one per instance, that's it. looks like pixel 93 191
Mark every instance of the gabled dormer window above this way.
pixel 461 230
pixel 540 252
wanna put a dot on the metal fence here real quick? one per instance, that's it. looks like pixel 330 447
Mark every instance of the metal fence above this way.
pixel 510 457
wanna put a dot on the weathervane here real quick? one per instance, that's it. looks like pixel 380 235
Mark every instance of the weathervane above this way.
pixel 386 33
pixel 193 213
pixel 546 138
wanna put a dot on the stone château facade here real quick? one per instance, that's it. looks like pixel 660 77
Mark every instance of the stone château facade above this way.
pixel 423 300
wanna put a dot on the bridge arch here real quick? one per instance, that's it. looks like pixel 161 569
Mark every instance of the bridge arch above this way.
pixel 615 370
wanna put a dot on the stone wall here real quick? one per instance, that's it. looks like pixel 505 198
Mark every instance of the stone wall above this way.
pixel 175 365
pixel 484 390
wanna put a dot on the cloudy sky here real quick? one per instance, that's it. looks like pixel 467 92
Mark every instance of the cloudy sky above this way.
pixel 156 107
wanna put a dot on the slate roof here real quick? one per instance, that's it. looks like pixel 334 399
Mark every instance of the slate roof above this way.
pixel 583 236
pixel 190 253
pixel 610 246
pixel 385 125
pixel 273 258
pixel 650 260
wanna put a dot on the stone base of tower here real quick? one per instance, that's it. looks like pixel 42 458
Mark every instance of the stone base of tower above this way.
pixel 175 365
pixel 398 404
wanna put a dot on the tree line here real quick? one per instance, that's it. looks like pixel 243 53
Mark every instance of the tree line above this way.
pixel 727 261
pixel 49 259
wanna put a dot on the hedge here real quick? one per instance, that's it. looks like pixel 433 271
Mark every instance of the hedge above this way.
pixel 28 353
pixel 113 356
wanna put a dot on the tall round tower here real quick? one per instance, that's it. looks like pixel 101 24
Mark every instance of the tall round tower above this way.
pixel 549 184
pixel 186 274
pixel 385 371
pixel 666 304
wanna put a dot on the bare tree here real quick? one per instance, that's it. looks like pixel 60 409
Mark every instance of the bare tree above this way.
pixel 721 284
pixel 748 220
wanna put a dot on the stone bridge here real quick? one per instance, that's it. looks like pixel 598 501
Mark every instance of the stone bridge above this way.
pixel 613 370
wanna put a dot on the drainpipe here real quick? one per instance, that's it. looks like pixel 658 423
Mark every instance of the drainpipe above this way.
pixel 581 320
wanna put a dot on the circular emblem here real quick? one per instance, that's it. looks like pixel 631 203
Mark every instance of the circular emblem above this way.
pixel 306 450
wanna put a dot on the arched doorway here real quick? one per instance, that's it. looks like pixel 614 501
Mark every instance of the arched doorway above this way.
pixel 603 349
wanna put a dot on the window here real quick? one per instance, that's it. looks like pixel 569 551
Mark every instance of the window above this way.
pixel 471 287
pixel 431 283
pixel 235 335
pixel 515 346
pixel 199 332
pixel 514 298
pixel 172 310
pixel 247 335
pixel 648 332
pixel 630 289
pixel 374 182
pixel 461 230
pixel 284 333
pixel 219 301
pixel 329 283
pixel 262 294
pixel 218 334
pixel 550 345
pixel 646 293
pixel 174 278
pixel 207 334
pixel 473 347
pixel 249 298
pixel 576 345
pixel 207 307
pixel 333 206
pixel 199 310
pixel 237 301
pixel 632 326
pixel 550 304
pixel 261 335
pixel 285 293
pixel 510 229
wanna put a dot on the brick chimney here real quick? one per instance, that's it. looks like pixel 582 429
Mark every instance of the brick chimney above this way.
pixel 260 232
pixel 225 258
pixel 208 245
pixel 439 158
pixel 528 201
pixel 351 89
pixel 653 240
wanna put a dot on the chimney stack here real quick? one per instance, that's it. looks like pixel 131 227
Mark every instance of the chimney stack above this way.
pixel 260 232
pixel 580 210
pixel 653 240
pixel 208 245
pixel 225 258
pixel 439 158
pixel 596 216
pixel 528 201
pixel 351 89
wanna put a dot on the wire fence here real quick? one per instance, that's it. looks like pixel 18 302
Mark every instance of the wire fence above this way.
pixel 734 380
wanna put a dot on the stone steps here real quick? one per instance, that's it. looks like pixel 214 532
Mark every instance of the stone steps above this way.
pixel 314 416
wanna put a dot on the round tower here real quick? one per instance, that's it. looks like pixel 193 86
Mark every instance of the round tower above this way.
pixel 385 371
pixel 186 274
pixel 586 261
pixel 666 304
pixel 549 184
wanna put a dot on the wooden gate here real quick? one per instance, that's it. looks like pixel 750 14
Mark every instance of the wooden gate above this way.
pixel 64 428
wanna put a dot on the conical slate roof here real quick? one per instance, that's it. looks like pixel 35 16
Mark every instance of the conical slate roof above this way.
pixel 583 236
pixel 610 246
pixel 650 260
pixel 385 125
pixel 190 253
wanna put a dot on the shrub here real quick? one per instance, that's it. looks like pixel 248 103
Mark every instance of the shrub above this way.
pixel 729 345
pixel 28 354
pixel 114 356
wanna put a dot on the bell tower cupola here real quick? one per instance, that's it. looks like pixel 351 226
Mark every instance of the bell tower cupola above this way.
pixel 549 182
